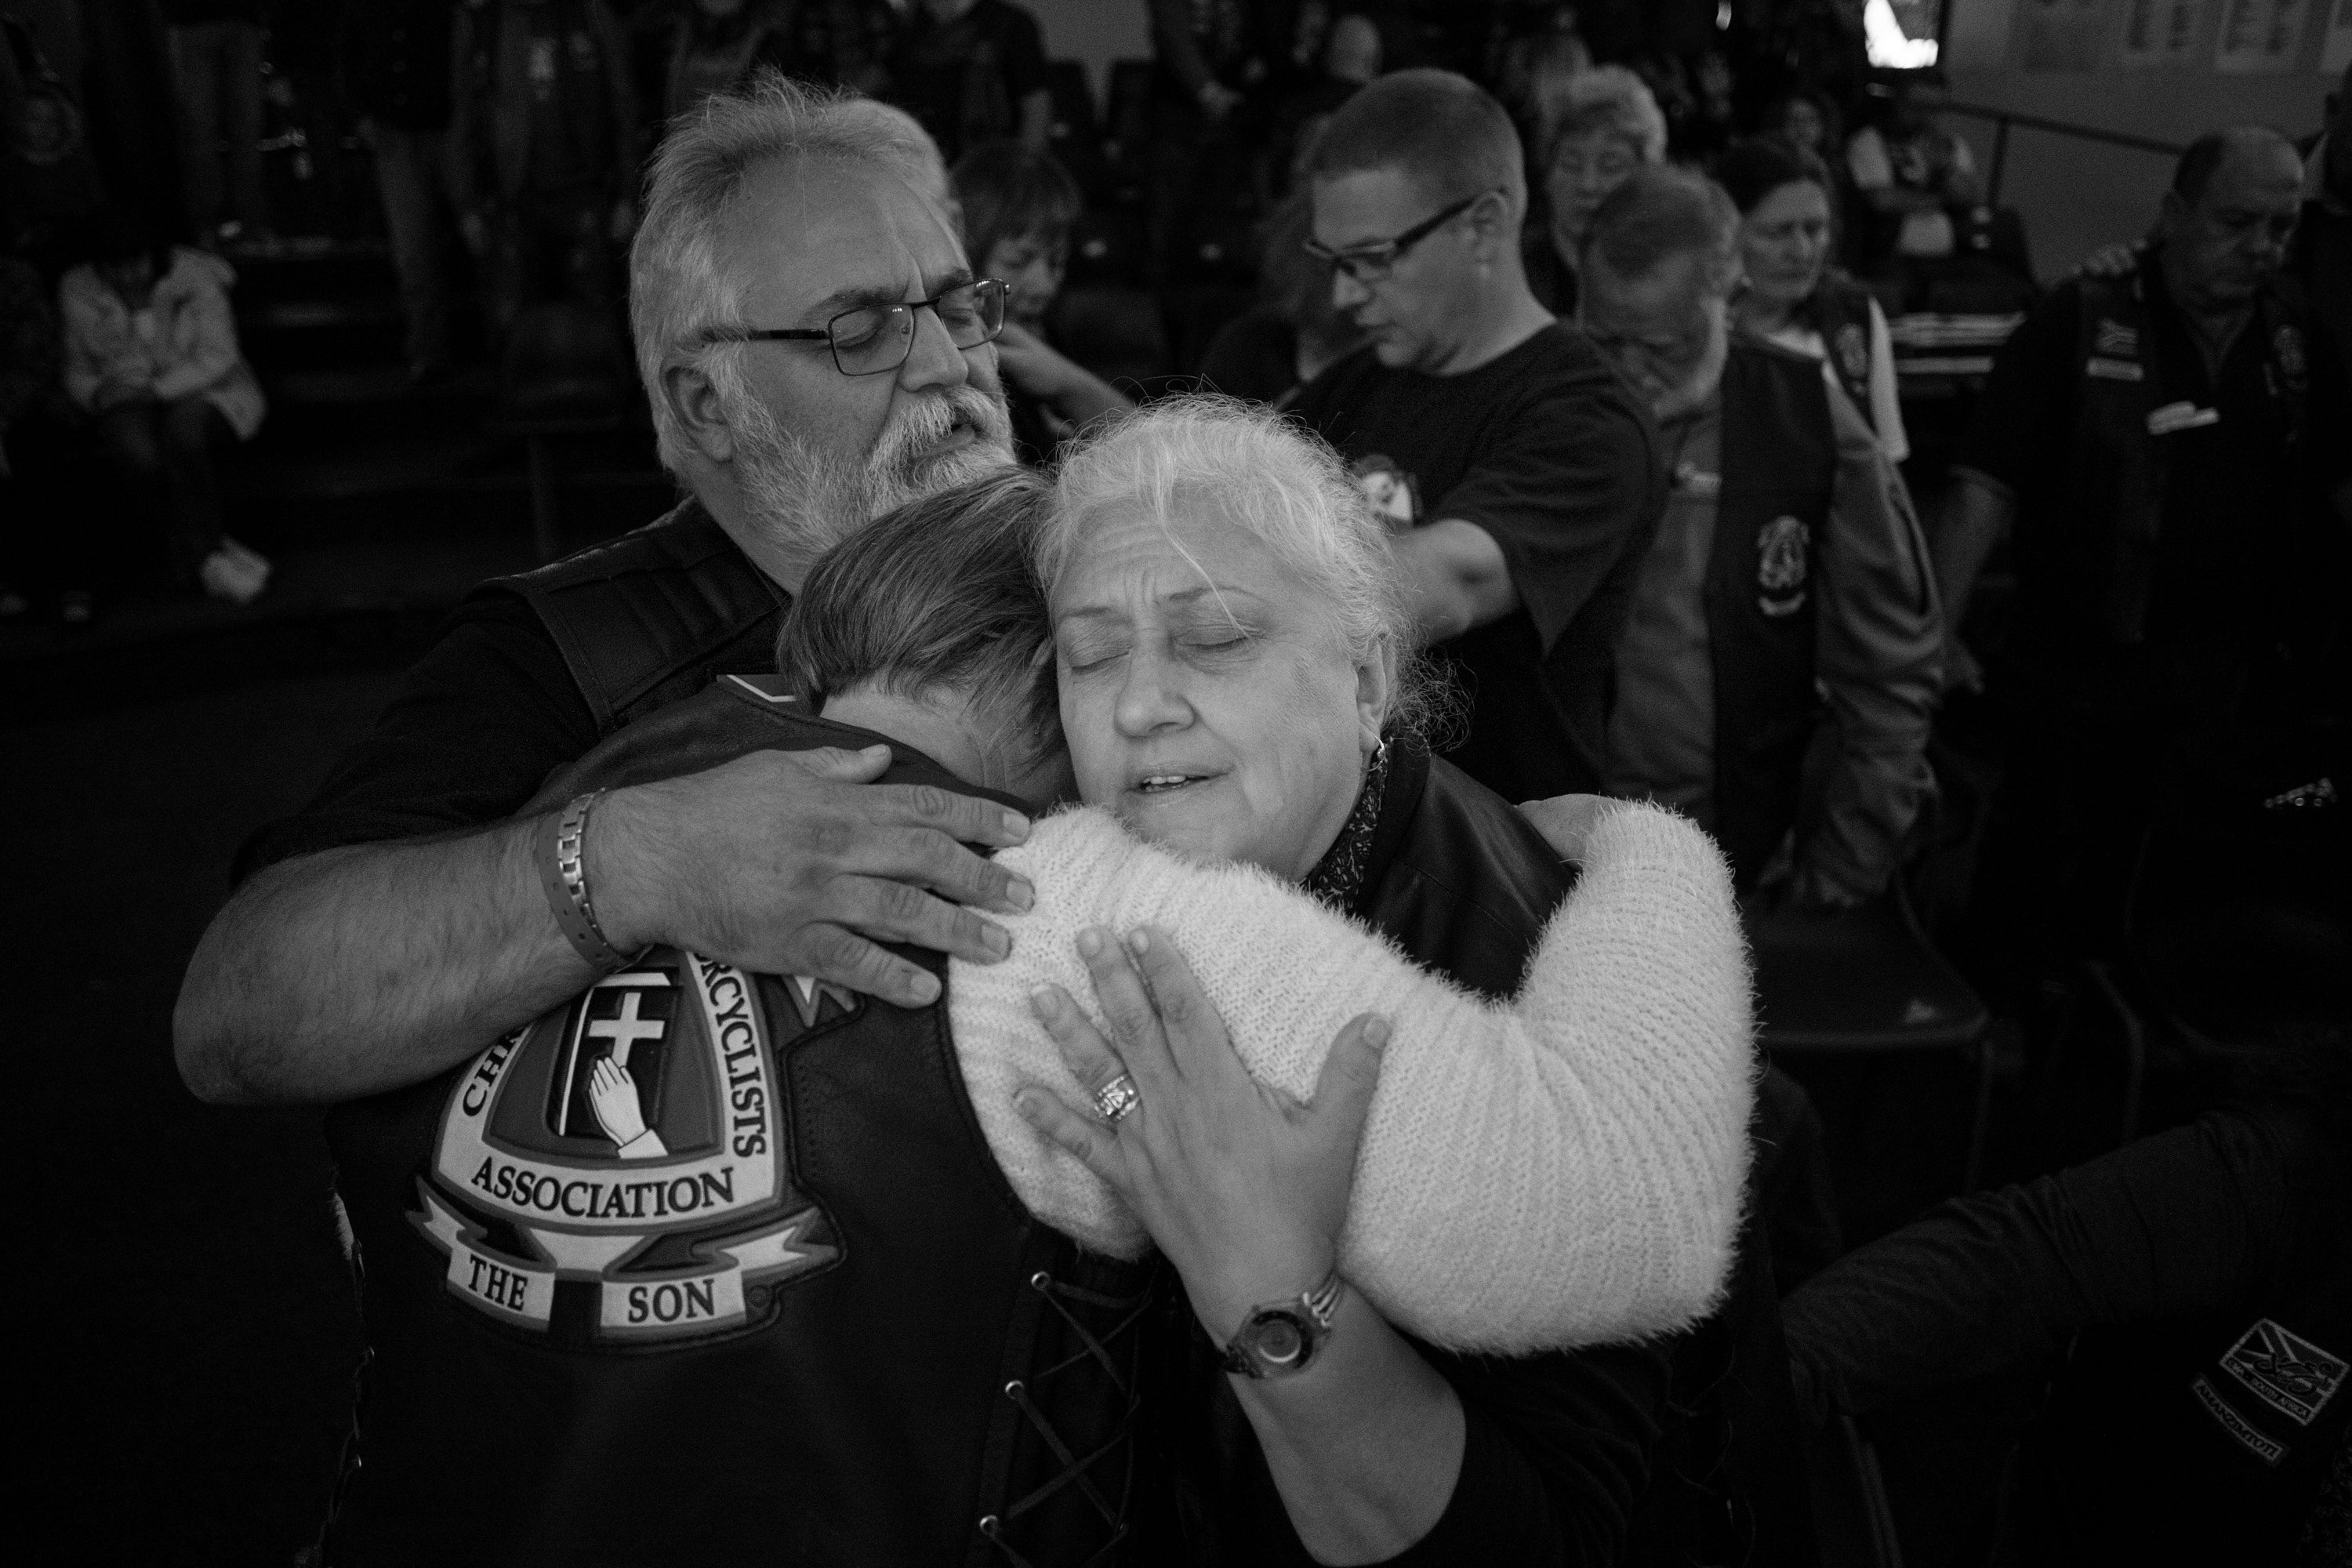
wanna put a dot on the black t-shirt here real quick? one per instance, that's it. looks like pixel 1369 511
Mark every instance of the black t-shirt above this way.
pixel 484 717
pixel 1547 451
pixel 965 79
pixel 2232 488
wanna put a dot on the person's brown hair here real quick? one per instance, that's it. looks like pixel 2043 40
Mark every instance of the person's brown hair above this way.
pixel 939 594
pixel 1445 132
pixel 1009 192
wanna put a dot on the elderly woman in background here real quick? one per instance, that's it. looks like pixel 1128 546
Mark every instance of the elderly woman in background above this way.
pixel 1794 297
pixel 1229 651
pixel 1599 127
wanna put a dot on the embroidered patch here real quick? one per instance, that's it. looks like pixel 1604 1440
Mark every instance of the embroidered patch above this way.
pixel 1853 351
pixel 2284 1370
pixel 2113 369
pixel 1395 497
pixel 630 1147
pixel 1696 482
pixel 2114 338
pixel 2287 350
pixel 2269 1450
pixel 1780 546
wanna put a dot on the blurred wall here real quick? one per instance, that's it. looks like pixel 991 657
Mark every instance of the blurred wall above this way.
pixel 2075 61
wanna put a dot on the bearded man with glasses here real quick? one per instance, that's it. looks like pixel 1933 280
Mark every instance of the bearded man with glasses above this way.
pixel 816 352
pixel 1519 476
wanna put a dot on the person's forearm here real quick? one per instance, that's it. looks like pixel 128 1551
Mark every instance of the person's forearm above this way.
pixel 1456 578
pixel 1087 397
pixel 1974 517
pixel 1364 1446
pixel 356 971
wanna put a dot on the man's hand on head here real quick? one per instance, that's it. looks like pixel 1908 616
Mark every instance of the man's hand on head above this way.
pixel 798 863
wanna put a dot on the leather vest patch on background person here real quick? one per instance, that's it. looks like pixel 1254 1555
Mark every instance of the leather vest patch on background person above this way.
pixel 1839 309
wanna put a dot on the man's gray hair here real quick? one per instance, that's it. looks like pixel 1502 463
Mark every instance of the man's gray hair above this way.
pixel 1661 213
pixel 679 285
pixel 1221 457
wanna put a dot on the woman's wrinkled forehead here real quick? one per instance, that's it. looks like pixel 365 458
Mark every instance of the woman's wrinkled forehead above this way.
pixel 1192 553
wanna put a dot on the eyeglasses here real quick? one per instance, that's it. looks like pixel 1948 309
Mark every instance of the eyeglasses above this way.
pixel 869 340
pixel 1371 263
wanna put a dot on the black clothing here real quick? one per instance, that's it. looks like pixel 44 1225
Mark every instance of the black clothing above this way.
pixel 965 79
pixel 2228 500
pixel 494 706
pixel 2205 1275
pixel 1556 1445
pixel 1254 356
pixel 2177 585
pixel 1780 465
pixel 1550 278
pixel 395 62
pixel 1548 452
pixel 813 1324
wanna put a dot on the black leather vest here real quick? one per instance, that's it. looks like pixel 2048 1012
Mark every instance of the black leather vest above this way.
pixel 706 1265
pixel 1779 469
pixel 2103 564
pixel 652 616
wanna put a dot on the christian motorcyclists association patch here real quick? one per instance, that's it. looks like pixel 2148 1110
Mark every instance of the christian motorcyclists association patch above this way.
pixel 614 1173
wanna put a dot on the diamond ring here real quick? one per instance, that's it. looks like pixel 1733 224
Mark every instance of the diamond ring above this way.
pixel 1117 1099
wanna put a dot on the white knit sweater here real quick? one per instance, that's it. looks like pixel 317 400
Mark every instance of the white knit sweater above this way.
pixel 1563 1170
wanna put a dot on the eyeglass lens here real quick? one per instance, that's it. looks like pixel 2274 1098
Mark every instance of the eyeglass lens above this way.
pixel 875 337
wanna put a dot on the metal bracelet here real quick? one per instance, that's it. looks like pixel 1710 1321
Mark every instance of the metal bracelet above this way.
pixel 563 876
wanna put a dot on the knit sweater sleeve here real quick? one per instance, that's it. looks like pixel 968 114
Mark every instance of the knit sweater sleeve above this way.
pixel 1561 1170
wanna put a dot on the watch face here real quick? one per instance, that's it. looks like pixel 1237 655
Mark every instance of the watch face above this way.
pixel 1278 1341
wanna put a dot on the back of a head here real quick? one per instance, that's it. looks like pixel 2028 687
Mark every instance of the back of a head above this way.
pixel 1755 166
pixel 1444 131
pixel 1610 99
pixel 1662 212
pixel 1011 192
pixel 2203 158
pixel 679 284
pixel 937 596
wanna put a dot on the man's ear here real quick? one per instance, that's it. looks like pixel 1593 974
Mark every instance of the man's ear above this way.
pixel 1491 226
pixel 700 412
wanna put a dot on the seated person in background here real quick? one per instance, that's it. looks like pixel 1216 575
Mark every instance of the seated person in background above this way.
pixel 1599 127
pixel 975 71
pixel 1793 296
pixel 812 1150
pixel 1293 332
pixel 2180 577
pixel 1518 471
pixel 1018 205
pixel 1910 172
pixel 150 350
pixel 1789 562
pixel 2191 1296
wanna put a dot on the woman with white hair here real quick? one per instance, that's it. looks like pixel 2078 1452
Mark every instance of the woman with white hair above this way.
pixel 1235 687
pixel 1597 127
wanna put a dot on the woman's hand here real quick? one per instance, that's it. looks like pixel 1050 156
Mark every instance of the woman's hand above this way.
pixel 1033 365
pixel 1244 1187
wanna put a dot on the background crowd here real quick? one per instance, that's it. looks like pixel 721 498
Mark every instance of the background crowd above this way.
pixel 2096 790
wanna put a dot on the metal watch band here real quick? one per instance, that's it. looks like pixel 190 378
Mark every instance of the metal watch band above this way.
pixel 563 876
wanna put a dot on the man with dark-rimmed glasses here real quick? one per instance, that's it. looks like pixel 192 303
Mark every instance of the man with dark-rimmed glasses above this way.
pixel 1517 474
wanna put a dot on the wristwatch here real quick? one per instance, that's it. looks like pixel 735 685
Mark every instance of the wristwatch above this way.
pixel 1282 1337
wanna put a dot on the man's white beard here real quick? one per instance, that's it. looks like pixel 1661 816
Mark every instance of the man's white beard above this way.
pixel 807 501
